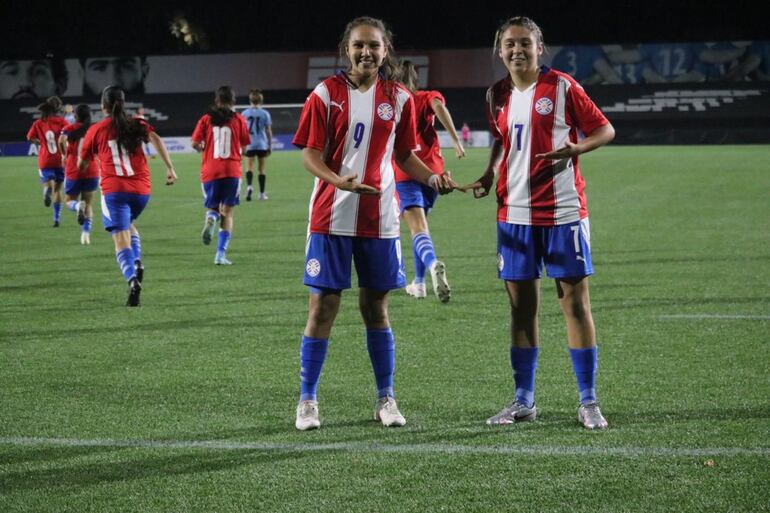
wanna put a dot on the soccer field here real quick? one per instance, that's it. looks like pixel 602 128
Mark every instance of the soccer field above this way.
pixel 187 403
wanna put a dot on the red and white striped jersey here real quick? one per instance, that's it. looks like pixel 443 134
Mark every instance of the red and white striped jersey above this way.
pixel 222 147
pixel 357 133
pixel 47 132
pixel 71 161
pixel 429 150
pixel 119 169
pixel 555 109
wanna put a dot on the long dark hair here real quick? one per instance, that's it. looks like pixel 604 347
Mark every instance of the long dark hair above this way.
pixel 222 110
pixel 131 133
pixel 49 107
pixel 389 67
pixel 83 115
pixel 408 75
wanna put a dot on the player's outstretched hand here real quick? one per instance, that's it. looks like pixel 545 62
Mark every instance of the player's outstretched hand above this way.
pixel 349 183
pixel 568 150
pixel 443 183
pixel 480 187
pixel 170 176
pixel 459 150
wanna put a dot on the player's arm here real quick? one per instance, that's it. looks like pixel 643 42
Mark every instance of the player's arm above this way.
pixel 197 146
pixel 443 115
pixel 599 137
pixel 415 168
pixel 483 185
pixel 269 132
pixel 157 143
pixel 313 162
pixel 62 142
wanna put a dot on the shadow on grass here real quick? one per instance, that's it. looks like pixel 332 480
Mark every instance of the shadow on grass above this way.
pixel 133 465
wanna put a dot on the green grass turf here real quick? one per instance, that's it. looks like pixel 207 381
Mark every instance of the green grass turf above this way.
pixel 212 355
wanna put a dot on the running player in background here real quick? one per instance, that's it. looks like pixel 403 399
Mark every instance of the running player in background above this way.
pixel 220 135
pixel 125 180
pixel 416 199
pixel 535 115
pixel 260 144
pixel 352 127
pixel 44 133
pixel 466 134
pixel 79 187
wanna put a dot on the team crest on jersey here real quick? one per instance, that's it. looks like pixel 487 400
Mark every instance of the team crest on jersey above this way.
pixel 385 111
pixel 544 106
pixel 313 268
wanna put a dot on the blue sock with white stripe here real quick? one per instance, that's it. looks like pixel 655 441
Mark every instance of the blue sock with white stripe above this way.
pixel 57 212
pixel 212 214
pixel 524 365
pixel 312 354
pixel 382 353
pixel 419 267
pixel 585 362
pixel 422 246
pixel 136 246
pixel 223 242
pixel 72 205
pixel 125 258
pixel 87 225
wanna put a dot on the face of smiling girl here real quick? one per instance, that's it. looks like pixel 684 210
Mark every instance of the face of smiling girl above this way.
pixel 366 50
pixel 520 50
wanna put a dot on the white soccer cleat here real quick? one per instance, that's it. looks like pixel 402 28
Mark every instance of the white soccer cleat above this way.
pixel 307 416
pixel 591 416
pixel 221 260
pixel 512 413
pixel 208 230
pixel 386 411
pixel 262 196
pixel 85 238
pixel 440 283
pixel 416 290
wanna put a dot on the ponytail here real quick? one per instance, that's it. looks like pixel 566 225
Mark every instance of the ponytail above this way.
pixel 83 115
pixel 222 110
pixel 130 132
pixel 50 106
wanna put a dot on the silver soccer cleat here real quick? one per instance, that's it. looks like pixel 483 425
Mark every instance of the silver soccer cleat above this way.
pixel 591 416
pixel 512 413
pixel 307 416
pixel 440 283
pixel 386 411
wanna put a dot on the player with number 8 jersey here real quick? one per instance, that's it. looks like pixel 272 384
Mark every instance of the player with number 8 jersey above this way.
pixel 220 135
pixel 45 132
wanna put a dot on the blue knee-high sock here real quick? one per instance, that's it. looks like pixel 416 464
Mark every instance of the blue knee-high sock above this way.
pixel 524 364
pixel 136 246
pixel 382 353
pixel 125 258
pixel 222 242
pixel 423 247
pixel 212 214
pixel 312 354
pixel 419 267
pixel 585 362
pixel 56 212
pixel 87 225
pixel 72 205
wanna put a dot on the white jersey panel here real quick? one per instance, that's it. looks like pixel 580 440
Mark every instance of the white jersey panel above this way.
pixel 520 133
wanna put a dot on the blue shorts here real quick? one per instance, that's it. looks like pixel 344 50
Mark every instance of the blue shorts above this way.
pixel 75 187
pixel 224 191
pixel 564 249
pixel 379 265
pixel 119 209
pixel 51 173
pixel 415 194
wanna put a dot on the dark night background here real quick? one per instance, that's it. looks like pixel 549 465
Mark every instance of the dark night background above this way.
pixel 74 28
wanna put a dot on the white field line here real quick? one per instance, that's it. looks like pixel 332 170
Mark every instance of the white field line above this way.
pixel 718 316
pixel 361 447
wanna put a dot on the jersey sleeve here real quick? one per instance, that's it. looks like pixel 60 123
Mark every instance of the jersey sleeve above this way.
pixel 490 111
pixel 586 114
pixel 87 149
pixel 199 134
pixel 312 130
pixel 406 138
pixel 32 133
pixel 269 118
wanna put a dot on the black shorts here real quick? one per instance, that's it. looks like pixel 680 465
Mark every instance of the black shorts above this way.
pixel 256 153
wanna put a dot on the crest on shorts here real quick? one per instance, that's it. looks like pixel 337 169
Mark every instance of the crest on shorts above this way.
pixel 385 111
pixel 500 262
pixel 313 267
pixel 544 106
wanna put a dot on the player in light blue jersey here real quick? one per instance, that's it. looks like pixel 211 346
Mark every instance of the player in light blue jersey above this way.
pixel 261 133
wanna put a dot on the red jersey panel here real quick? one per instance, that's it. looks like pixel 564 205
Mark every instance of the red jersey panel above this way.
pixel 47 132
pixel 222 147
pixel 430 149
pixel 542 118
pixel 120 170
pixel 73 150
pixel 357 133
